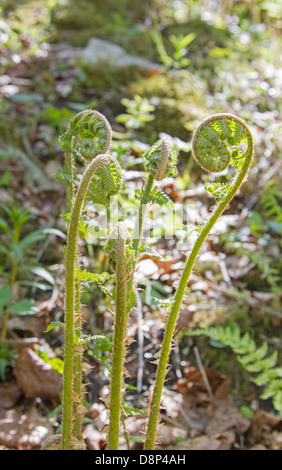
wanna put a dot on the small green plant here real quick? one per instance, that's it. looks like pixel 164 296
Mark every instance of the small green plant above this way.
pixel 180 44
pixel 218 141
pixel 15 270
pixel 254 359
pixel 138 112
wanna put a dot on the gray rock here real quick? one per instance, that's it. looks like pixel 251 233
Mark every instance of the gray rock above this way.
pixel 98 51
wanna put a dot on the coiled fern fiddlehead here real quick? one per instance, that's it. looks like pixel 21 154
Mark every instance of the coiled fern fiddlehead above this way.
pixel 88 137
pixel 216 143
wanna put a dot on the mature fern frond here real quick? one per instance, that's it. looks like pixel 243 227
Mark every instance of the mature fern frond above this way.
pixel 253 359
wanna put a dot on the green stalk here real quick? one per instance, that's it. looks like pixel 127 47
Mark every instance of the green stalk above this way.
pixel 172 318
pixel 141 213
pixel 70 300
pixel 69 164
pixel 118 346
pixel 77 372
pixel 77 368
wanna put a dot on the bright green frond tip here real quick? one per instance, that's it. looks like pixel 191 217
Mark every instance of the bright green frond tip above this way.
pixel 161 160
pixel 91 134
pixel 216 139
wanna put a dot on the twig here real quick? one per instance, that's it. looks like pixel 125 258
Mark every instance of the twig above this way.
pixel 202 370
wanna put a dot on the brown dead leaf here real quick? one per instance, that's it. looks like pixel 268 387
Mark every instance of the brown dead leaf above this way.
pixel 10 392
pixel 263 425
pixel 169 434
pixel 36 377
pixel 34 324
pixel 195 389
pixel 223 442
pixel 216 414
pixel 223 416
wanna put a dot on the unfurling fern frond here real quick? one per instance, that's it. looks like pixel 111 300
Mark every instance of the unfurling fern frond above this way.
pixel 119 248
pixel 90 133
pixel 161 160
pixel 216 142
pixel 103 174
pixel 217 190
pixel 106 182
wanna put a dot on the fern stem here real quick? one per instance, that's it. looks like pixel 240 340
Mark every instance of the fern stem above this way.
pixel 69 164
pixel 70 301
pixel 118 342
pixel 141 213
pixel 77 368
pixel 172 318
pixel 77 374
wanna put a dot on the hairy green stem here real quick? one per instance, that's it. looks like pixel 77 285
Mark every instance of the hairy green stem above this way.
pixel 77 368
pixel 77 374
pixel 118 341
pixel 172 318
pixel 70 301
pixel 141 213
pixel 69 164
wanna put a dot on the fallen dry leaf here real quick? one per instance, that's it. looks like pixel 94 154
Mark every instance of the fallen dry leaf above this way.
pixel 263 425
pixel 36 377
pixel 223 416
pixel 223 442
pixel 10 392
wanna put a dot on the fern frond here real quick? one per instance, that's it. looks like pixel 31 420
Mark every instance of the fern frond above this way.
pixel 161 160
pixel 105 183
pixel 156 196
pixel 90 134
pixel 252 358
pixel 217 190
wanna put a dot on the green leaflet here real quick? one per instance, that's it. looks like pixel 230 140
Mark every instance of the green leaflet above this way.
pixel 156 196
pixel 254 359
pixel 217 190
pixel 87 276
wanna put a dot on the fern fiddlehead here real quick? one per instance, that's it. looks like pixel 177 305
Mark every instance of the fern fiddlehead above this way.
pixel 216 143
pixel 88 135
